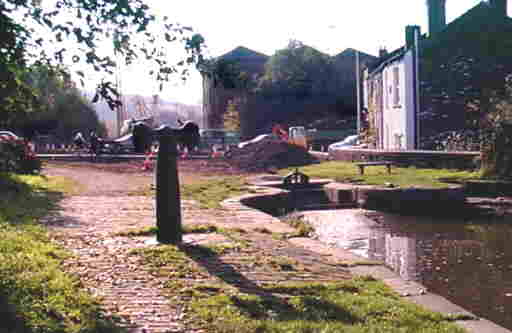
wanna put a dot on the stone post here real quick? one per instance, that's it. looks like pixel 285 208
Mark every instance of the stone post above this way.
pixel 168 205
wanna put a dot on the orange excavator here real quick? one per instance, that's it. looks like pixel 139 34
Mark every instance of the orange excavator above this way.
pixel 279 131
pixel 295 135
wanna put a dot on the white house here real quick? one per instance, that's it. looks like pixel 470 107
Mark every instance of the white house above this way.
pixel 391 100
pixel 419 92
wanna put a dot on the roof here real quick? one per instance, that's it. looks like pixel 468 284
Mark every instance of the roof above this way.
pixel 481 18
pixel 350 52
pixel 242 52
pixel 247 59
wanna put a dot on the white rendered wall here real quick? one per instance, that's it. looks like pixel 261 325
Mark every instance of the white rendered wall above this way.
pixel 398 119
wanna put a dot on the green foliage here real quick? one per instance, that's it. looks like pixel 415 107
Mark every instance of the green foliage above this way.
pixel 297 70
pixel 226 73
pixel 135 34
pixel 62 110
pixel 35 294
pixel 496 129
pixel 303 228
pixel 16 156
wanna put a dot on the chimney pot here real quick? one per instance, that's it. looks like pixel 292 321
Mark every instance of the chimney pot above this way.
pixel 410 34
pixel 500 6
pixel 436 16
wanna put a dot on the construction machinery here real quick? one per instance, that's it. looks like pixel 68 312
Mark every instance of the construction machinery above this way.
pixel 296 135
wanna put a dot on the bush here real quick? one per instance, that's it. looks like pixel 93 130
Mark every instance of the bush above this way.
pixel 16 156
pixel 460 140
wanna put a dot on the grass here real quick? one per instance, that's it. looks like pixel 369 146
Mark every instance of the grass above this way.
pixel 357 305
pixel 302 227
pixel 211 192
pixel 35 294
pixel 220 300
pixel 150 231
pixel 208 192
pixel 404 177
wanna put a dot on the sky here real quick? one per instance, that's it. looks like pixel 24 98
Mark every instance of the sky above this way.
pixel 267 25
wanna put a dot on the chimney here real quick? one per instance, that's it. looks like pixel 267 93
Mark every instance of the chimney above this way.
pixel 437 16
pixel 410 34
pixel 383 52
pixel 500 6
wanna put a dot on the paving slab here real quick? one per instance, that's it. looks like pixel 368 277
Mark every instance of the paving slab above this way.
pixel 333 254
pixel 378 272
pixel 405 288
pixel 440 304
pixel 481 326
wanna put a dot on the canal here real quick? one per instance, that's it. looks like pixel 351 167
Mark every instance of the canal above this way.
pixel 467 260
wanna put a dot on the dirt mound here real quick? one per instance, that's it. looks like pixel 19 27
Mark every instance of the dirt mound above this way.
pixel 209 167
pixel 268 155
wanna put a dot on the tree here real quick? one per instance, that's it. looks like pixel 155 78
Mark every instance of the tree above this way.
pixel 297 70
pixel 496 129
pixel 62 109
pixel 134 33
pixel 226 73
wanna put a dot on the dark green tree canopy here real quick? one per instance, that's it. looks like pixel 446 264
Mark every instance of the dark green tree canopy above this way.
pixel 297 70
pixel 63 109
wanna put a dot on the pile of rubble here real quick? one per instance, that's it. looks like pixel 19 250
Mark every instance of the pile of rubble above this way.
pixel 269 154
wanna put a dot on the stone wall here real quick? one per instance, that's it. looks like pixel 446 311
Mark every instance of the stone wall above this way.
pixel 420 159
pixel 461 71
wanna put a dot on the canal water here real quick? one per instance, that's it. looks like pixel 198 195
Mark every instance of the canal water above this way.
pixel 468 261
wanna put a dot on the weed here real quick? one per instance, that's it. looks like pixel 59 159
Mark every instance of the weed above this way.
pixel 282 263
pixel 148 231
pixel 262 230
pixel 303 228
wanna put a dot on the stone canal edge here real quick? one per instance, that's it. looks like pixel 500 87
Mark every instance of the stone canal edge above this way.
pixel 409 290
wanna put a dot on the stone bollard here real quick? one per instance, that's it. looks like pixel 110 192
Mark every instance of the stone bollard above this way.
pixel 168 205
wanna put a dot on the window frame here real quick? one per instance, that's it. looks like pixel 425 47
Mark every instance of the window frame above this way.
pixel 396 87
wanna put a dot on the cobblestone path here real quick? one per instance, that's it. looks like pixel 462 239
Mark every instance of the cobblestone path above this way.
pixel 88 225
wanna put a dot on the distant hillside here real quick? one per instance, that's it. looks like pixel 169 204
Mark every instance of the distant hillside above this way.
pixel 136 106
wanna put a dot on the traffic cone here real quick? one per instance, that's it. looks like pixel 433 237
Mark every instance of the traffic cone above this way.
pixel 147 165
pixel 184 155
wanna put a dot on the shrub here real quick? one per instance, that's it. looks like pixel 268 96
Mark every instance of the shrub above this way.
pixel 16 156
pixel 460 140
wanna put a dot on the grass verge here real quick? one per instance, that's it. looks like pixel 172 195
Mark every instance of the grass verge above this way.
pixel 404 177
pixel 215 296
pixel 35 294
pixel 208 192
pixel 211 192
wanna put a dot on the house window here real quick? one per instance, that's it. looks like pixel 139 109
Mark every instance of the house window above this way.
pixel 386 95
pixel 396 86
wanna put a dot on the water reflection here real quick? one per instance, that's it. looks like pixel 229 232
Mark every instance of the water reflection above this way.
pixel 468 263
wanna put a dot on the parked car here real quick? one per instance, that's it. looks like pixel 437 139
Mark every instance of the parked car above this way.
pixel 260 138
pixel 219 136
pixel 351 141
pixel 123 144
pixel 9 135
